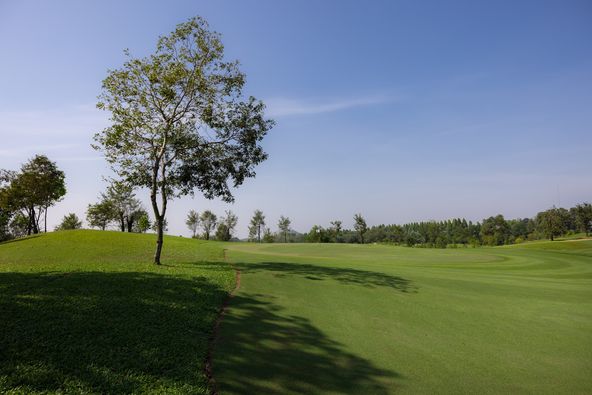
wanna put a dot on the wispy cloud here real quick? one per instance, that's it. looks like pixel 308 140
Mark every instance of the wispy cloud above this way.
pixel 63 133
pixel 79 158
pixel 279 107
pixel 69 121
pixel 21 150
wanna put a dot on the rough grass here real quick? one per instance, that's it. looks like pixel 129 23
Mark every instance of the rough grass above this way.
pixel 86 312
pixel 337 319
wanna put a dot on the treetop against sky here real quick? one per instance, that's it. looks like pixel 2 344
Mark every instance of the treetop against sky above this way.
pixel 402 111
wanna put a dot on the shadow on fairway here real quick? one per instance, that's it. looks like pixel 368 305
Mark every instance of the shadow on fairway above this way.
pixel 260 350
pixel 343 275
pixel 105 332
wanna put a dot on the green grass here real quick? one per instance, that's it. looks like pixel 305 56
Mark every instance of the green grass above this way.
pixel 86 312
pixel 336 319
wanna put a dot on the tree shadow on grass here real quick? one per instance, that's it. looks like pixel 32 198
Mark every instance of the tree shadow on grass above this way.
pixel 105 332
pixel 348 276
pixel 16 240
pixel 261 350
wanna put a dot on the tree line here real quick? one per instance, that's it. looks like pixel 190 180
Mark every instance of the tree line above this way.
pixel 492 231
pixel 26 196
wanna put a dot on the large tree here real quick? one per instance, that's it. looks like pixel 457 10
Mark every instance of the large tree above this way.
pixel 552 222
pixel 37 186
pixel 180 122
pixel 5 217
pixel 583 217
pixel 495 230
pixel 5 211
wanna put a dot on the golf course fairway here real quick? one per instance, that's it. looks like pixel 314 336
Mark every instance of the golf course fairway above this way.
pixel 86 312
pixel 368 319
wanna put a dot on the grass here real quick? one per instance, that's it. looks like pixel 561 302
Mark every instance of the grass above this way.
pixel 338 319
pixel 86 312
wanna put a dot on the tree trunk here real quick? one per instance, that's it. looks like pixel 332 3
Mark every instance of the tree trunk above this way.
pixel 33 221
pixel 159 239
pixel 37 219
pixel 551 236
pixel 45 220
pixel 122 222
pixel 130 224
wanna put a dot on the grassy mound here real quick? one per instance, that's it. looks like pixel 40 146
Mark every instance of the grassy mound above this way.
pixel 339 319
pixel 86 312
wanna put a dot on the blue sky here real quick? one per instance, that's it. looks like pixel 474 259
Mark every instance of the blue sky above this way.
pixel 400 110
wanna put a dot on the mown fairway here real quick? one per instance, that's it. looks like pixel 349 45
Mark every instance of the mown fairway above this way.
pixel 86 312
pixel 377 319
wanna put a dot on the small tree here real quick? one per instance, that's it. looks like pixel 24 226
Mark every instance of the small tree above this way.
pixel 284 226
pixel 268 236
pixel 120 195
pixel 192 222
pixel 180 122
pixel 208 223
pixel 256 225
pixel 222 232
pixel 226 226
pixel 360 226
pixel 100 215
pixel 336 229
pixel 143 223
pixel 69 222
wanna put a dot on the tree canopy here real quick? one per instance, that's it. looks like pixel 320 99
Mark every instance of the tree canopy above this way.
pixel 179 121
pixel 37 186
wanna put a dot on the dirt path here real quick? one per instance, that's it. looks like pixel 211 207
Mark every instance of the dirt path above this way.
pixel 216 332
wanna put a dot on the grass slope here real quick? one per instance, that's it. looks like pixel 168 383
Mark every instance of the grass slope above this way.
pixel 337 319
pixel 86 312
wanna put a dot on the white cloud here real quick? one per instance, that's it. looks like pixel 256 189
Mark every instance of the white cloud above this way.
pixel 18 126
pixel 20 150
pixel 278 107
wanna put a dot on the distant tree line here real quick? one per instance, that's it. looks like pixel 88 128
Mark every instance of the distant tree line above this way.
pixel 27 194
pixel 492 231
